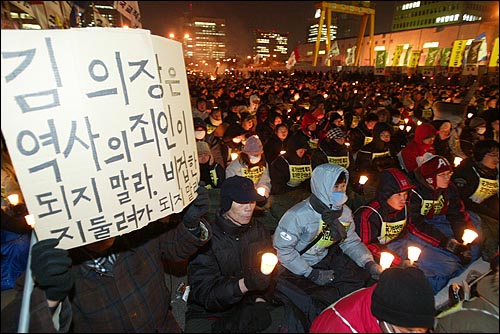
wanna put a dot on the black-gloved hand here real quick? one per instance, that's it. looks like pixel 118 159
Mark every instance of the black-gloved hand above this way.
pixel 331 218
pixel 465 256
pixel 321 276
pixel 197 209
pixel 50 267
pixel 405 264
pixel 374 269
pixel 453 246
pixel 253 318
pixel 255 280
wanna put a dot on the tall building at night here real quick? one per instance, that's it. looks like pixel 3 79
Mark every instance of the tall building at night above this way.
pixel 312 33
pixel 270 45
pixel 205 38
pixel 410 15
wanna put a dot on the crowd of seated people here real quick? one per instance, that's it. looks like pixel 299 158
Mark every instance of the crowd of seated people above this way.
pixel 343 167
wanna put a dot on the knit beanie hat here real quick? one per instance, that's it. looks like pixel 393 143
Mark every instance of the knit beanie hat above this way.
pixel 433 165
pixel 336 133
pixel 404 297
pixel 202 147
pixel 477 121
pixel 253 146
pixel 199 123
pixel 238 189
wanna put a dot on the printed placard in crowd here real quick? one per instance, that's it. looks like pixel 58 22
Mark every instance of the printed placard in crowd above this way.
pixel 98 124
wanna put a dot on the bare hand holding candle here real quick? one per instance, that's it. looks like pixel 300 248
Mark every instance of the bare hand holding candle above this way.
pixel 268 262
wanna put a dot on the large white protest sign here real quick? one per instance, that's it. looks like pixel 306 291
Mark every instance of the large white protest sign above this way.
pixel 98 125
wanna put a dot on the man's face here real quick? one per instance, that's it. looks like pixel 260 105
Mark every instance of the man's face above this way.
pixel 241 212
pixel 398 201
pixel 490 160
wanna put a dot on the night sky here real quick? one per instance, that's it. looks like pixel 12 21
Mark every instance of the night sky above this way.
pixel 243 17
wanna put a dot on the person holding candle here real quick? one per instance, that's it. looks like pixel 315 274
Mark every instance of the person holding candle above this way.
pixel 401 302
pixel 333 149
pixel 321 255
pixel 436 200
pixel 372 159
pixel 15 231
pixel 384 224
pixel 291 170
pixel 477 181
pixel 251 163
pixel 116 285
pixel 228 291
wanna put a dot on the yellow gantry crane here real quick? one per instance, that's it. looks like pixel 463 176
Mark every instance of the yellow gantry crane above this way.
pixel 326 11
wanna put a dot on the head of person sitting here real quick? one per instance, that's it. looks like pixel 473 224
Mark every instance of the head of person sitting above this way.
pixel 435 172
pixel 393 189
pixel 238 198
pixel 403 301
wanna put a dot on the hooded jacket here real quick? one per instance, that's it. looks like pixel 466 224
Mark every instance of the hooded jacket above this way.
pixel 368 218
pixel 301 224
pixel 416 148
pixel 280 167
pixel 366 161
pixel 466 177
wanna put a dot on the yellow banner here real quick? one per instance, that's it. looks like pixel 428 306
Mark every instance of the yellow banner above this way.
pixel 494 55
pixel 415 56
pixel 457 53
pixel 397 54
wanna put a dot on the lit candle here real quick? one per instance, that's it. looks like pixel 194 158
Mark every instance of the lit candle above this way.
pixel 469 115
pixel 30 219
pixel 268 262
pixel 457 161
pixel 386 259
pixel 419 122
pixel 261 191
pixel 282 152
pixel 408 128
pixel 469 236
pixel 406 120
pixel 234 156
pixel 347 144
pixel 363 179
pixel 401 127
pixel 413 253
pixel 13 199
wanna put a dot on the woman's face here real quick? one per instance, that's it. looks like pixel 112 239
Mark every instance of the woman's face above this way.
pixel 385 136
pixel 444 131
pixel 203 158
pixel 282 133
